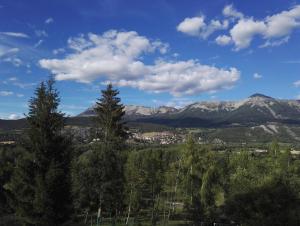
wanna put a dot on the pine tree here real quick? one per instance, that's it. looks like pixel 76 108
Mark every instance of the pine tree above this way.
pixel 41 182
pixel 112 134
pixel 110 114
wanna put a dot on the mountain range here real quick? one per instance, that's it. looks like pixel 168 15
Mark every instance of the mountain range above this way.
pixel 258 118
pixel 256 109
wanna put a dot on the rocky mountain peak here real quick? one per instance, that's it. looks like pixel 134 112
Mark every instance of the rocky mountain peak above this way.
pixel 259 95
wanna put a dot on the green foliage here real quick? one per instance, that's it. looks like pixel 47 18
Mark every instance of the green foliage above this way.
pixel 109 116
pixel 274 203
pixel 263 189
pixel 196 159
pixel 98 177
pixel 146 175
pixel 7 161
pixel 41 183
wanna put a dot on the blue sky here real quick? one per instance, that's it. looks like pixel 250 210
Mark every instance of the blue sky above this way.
pixel 159 52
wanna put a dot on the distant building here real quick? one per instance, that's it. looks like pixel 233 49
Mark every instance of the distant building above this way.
pixel 295 152
pixel 261 151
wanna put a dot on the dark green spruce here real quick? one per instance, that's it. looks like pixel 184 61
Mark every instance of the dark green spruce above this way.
pixel 109 117
pixel 112 134
pixel 41 182
pixel 98 177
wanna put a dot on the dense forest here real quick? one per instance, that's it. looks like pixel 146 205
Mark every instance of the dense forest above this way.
pixel 49 178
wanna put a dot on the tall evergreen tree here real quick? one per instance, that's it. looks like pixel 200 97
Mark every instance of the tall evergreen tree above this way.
pixel 110 114
pixel 112 134
pixel 41 182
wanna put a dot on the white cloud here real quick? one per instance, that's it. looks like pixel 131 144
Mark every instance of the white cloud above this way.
pixel 24 85
pixel 117 57
pixel 80 43
pixel 257 76
pixel 176 102
pixel 184 78
pixel 196 26
pixel 291 62
pixel 14 60
pixel 6 93
pixel 6 51
pixel 15 34
pixel 114 54
pixel 12 79
pixel 191 26
pixel 279 42
pixel 283 23
pixel 14 116
pixel 230 11
pixel 41 33
pixel 40 42
pixel 223 40
pixel 244 31
pixel 49 20
pixel 297 83
pixel 19 95
pixel 58 51
pixel 272 28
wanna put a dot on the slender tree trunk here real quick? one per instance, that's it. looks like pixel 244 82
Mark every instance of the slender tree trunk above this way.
pixel 154 210
pixel 172 206
pixel 191 183
pixel 164 212
pixel 173 198
pixel 86 217
pixel 129 207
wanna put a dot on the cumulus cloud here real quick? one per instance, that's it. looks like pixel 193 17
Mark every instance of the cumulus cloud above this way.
pixel 114 54
pixel 257 76
pixel 244 31
pixel 283 23
pixel 274 30
pixel 191 26
pixel 196 26
pixel 230 11
pixel 223 40
pixel 184 78
pixel 117 56
pixel 6 93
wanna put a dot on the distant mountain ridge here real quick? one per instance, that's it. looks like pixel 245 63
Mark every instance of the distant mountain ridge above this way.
pixel 258 118
pixel 134 110
pixel 257 108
